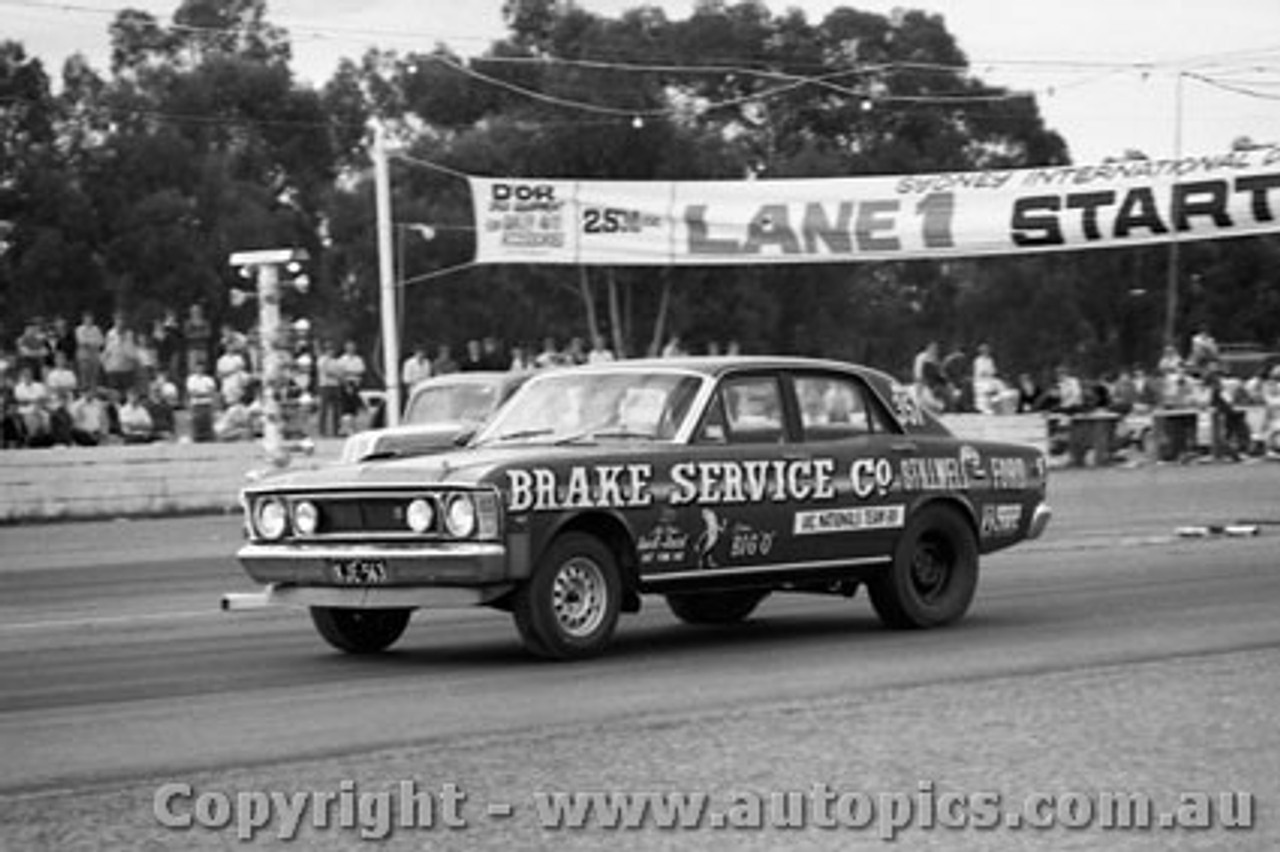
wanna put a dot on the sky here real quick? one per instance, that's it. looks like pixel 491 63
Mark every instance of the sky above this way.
pixel 1163 77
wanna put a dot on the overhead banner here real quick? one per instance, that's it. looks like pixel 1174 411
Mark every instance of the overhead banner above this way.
pixel 844 220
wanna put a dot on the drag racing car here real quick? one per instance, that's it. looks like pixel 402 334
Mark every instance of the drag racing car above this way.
pixel 712 482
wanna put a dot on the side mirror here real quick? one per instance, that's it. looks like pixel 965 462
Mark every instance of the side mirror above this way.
pixel 464 437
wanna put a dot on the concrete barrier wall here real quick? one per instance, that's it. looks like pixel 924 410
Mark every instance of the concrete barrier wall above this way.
pixel 137 480
pixel 172 478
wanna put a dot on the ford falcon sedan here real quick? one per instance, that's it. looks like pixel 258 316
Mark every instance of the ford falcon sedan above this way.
pixel 713 482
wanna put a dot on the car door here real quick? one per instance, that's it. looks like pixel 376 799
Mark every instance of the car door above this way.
pixel 731 492
pixel 842 425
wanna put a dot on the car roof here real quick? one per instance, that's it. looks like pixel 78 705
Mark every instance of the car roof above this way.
pixel 714 365
pixel 471 377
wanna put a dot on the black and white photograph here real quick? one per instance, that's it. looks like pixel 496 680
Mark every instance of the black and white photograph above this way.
pixel 639 425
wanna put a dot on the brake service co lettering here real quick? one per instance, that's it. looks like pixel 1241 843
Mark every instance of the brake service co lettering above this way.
pixel 616 486
pixel 733 482
pixel 777 481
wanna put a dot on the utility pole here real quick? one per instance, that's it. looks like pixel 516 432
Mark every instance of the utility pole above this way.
pixel 1171 291
pixel 387 278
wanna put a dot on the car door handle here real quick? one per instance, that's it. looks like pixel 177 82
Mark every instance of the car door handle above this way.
pixel 902 448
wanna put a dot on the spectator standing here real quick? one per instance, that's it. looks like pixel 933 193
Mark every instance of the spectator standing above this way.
pixel 329 388
pixel 166 337
pixel 1123 394
pixel 492 356
pixel 986 381
pixel 957 371
pixel 1271 413
pixel 89 343
pixel 33 350
pixel 14 428
pixel 473 358
pixel 162 399
pixel 61 380
pixel 196 335
pixel 600 353
pixel 575 353
pixel 351 368
pixel 931 384
pixel 519 361
pixel 120 357
pixel 202 395
pixel 148 361
pixel 1146 391
pixel 444 363
pixel 1170 361
pixel 1029 394
pixel 416 367
pixel 549 356
pixel 62 338
pixel 1202 358
pixel 232 369
pixel 1070 391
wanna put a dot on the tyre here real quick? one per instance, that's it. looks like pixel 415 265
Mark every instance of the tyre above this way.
pixel 569 608
pixel 715 607
pixel 360 631
pixel 934 572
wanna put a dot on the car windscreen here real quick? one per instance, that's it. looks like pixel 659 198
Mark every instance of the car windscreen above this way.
pixel 455 403
pixel 591 405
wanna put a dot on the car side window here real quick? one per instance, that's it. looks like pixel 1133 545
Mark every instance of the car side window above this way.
pixel 745 410
pixel 834 408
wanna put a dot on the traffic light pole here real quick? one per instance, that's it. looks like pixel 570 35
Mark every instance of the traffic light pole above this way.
pixel 273 344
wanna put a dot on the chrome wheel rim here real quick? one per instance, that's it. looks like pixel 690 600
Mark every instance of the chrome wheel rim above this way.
pixel 579 597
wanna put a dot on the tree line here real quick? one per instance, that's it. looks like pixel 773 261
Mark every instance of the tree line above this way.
pixel 127 188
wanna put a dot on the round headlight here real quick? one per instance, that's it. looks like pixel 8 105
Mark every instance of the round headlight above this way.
pixel 419 515
pixel 460 516
pixel 272 519
pixel 306 518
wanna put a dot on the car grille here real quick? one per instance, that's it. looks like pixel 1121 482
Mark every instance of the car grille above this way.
pixel 341 516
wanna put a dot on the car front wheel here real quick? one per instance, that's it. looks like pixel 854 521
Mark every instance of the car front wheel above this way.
pixel 360 631
pixel 569 607
pixel 934 572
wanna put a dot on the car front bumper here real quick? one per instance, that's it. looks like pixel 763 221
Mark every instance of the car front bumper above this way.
pixel 433 564
pixel 1039 520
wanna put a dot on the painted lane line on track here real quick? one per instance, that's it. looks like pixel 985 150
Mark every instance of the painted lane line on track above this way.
pixel 109 620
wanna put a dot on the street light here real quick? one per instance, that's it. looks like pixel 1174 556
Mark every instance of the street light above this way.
pixel 265 266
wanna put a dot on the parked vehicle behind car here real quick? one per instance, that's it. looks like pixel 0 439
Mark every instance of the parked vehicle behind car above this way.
pixel 440 410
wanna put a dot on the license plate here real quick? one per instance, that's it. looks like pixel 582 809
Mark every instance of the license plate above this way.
pixel 359 572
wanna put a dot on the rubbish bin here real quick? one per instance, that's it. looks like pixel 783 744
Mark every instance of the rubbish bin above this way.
pixel 1175 432
pixel 1092 434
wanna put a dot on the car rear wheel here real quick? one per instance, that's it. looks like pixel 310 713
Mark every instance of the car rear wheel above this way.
pixel 569 607
pixel 360 631
pixel 934 572
pixel 715 607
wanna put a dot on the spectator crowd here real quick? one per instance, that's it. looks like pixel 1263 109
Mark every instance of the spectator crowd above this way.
pixel 182 379
pixel 1200 381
